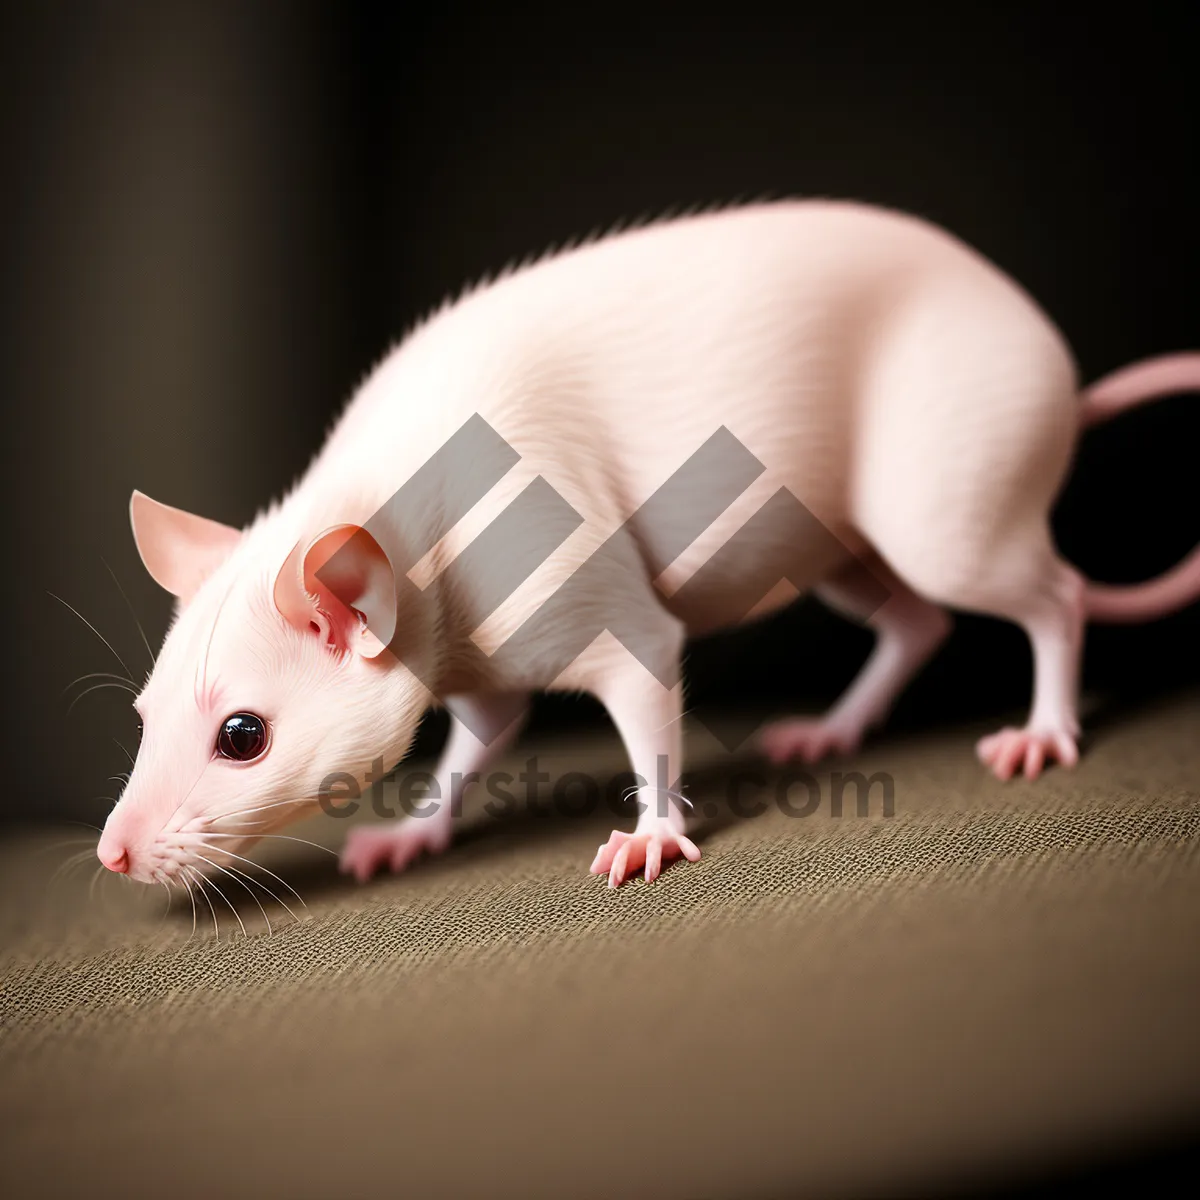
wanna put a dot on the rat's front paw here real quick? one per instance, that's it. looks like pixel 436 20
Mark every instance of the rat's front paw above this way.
pixel 808 739
pixel 624 854
pixel 1012 750
pixel 374 847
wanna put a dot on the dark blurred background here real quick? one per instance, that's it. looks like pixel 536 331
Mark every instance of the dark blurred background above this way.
pixel 218 216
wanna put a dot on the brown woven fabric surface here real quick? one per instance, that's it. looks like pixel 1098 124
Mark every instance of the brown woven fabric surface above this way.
pixel 993 977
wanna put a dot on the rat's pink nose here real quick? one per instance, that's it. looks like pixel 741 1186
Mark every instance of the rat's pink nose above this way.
pixel 115 859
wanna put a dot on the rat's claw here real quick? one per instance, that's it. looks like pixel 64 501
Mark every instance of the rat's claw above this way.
pixel 624 854
pixel 1027 750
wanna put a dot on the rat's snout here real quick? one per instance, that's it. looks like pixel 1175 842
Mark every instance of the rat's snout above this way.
pixel 113 852
pixel 115 848
pixel 132 844
pixel 114 857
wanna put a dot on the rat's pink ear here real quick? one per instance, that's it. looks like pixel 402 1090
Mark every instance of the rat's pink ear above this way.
pixel 340 587
pixel 179 549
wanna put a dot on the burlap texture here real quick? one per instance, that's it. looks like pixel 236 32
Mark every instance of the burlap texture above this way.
pixel 995 977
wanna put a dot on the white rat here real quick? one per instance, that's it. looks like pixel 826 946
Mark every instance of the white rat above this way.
pixel 911 397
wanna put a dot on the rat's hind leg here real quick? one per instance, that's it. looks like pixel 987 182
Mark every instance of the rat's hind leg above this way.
pixel 1022 579
pixel 969 424
pixel 395 844
pixel 1053 617
pixel 908 631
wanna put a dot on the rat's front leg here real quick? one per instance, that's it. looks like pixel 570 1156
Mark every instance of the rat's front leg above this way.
pixel 648 717
pixel 482 727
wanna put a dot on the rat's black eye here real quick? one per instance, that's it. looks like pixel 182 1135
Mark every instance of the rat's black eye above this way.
pixel 243 737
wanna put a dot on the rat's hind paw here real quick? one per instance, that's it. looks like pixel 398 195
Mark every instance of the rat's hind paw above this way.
pixel 1011 749
pixel 375 847
pixel 624 854
pixel 807 739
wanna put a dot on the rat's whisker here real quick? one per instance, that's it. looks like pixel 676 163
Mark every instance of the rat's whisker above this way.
pixel 186 795
pixel 98 675
pixel 77 858
pixel 251 862
pixel 246 824
pixel 242 878
pixel 166 883
pixel 98 687
pixel 85 824
pixel 241 812
pixel 632 791
pixel 132 612
pixel 78 840
pixel 243 884
pixel 126 753
pixel 67 866
pixel 92 886
pixel 674 719
pixel 287 837
pixel 198 880
pixel 680 797
pixel 259 883
pixel 212 883
pixel 93 629
pixel 192 897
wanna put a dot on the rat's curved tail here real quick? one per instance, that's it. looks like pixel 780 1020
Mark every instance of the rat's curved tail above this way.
pixel 1115 393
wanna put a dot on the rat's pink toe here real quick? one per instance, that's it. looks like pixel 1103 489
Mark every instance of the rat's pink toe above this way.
pixel 1035 756
pixel 620 866
pixel 653 860
pixel 987 745
pixel 1066 749
pixel 603 861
